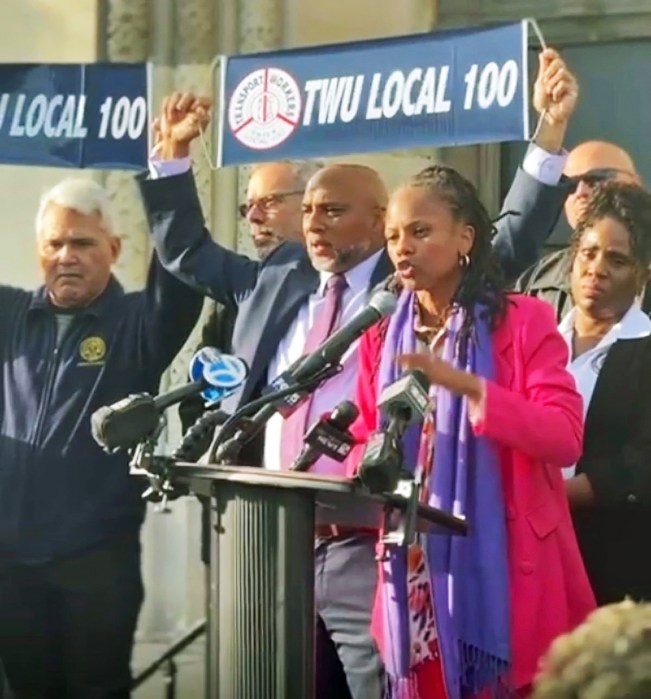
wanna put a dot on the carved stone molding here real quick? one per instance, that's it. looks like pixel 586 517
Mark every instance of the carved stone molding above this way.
pixel 128 30
pixel 261 28
pixel 562 22
pixel 261 25
pixel 194 51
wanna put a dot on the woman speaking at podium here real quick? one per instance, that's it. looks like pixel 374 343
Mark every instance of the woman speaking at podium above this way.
pixel 459 617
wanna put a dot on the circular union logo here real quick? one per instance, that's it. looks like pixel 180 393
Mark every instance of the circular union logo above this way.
pixel 92 349
pixel 265 108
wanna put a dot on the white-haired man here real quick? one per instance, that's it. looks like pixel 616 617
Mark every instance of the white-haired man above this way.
pixel 70 515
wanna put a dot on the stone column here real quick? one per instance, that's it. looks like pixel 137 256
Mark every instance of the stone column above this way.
pixel 195 47
pixel 127 39
pixel 479 163
pixel 261 27
pixel 192 49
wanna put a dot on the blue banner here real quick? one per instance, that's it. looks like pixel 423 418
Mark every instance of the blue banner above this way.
pixel 81 116
pixel 444 89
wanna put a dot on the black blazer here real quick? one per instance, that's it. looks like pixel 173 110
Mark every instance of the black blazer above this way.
pixel 614 534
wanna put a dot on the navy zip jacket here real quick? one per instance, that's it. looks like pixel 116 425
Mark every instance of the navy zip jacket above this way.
pixel 60 494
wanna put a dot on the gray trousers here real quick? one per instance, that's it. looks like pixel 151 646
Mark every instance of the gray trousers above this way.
pixel 345 579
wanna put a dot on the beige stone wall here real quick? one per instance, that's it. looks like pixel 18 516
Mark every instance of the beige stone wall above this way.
pixel 561 21
pixel 36 31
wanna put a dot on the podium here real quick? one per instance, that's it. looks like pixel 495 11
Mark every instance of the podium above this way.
pixel 262 617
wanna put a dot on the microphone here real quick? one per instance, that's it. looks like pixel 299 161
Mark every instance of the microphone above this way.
pixel 382 303
pixel 197 439
pixel 403 403
pixel 129 421
pixel 406 400
pixel 328 436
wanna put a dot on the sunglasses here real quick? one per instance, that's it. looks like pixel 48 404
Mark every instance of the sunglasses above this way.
pixel 269 203
pixel 598 175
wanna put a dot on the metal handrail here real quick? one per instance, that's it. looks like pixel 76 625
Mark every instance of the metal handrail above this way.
pixel 165 661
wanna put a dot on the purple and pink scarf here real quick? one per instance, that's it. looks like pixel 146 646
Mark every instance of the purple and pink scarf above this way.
pixel 469 575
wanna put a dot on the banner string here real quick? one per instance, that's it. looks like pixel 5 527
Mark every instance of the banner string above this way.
pixel 202 136
pixel 543 45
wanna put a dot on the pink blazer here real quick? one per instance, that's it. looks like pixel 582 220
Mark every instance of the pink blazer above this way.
pixel 534 414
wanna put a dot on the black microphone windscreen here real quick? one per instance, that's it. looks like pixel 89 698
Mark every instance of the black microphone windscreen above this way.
pixel 344 414
pixel 124 424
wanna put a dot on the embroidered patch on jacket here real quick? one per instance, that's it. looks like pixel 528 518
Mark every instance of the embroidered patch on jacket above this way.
pixel 92 350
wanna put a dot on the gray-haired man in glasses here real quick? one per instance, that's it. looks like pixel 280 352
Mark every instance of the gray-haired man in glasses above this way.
pixel 587 164
pixel 273 203
pixel 272 208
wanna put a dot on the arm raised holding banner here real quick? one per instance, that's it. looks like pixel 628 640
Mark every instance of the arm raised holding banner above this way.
pixel 538 191
pixel 182 241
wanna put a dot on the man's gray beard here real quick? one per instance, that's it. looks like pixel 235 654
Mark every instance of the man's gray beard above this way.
pixel 343 260
pixel 265 250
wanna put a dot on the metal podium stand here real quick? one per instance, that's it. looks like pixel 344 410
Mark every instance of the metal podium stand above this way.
pixel 261 630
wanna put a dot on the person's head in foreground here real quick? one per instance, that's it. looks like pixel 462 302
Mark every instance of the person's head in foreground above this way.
pixel 607 657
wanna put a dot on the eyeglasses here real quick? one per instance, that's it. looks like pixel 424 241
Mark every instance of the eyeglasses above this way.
pixel 594 177
pixel 269 203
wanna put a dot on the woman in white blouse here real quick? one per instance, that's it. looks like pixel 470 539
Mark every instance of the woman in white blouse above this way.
pixel 608 336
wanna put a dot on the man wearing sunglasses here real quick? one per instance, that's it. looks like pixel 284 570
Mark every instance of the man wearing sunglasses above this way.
pixel 588 164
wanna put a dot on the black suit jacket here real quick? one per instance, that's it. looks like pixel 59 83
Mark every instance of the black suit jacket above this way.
pixel 614 534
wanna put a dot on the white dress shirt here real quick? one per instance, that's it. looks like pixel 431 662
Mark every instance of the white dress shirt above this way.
pixel 543 166
pixel 586 367
pixel 291 347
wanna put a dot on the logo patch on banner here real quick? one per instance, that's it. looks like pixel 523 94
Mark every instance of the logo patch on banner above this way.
pixel 265 108
pixel 92 350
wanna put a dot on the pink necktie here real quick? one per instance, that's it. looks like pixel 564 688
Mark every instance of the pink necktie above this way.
pixel 327 318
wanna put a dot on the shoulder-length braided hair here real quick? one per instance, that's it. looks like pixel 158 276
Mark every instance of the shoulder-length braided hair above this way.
pixel 482 281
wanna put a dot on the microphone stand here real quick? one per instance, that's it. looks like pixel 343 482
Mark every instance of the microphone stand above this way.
pixel 158 469
pixel 223 450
